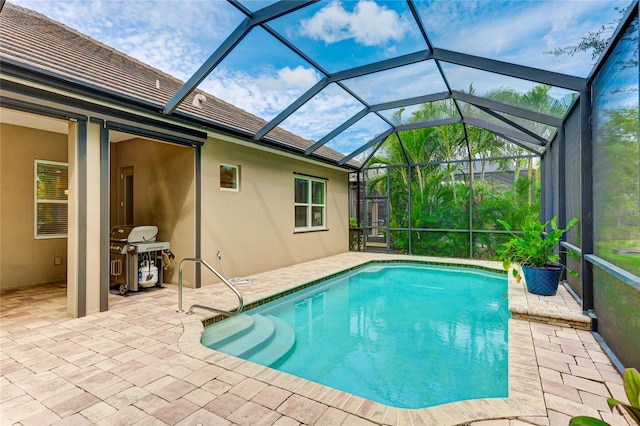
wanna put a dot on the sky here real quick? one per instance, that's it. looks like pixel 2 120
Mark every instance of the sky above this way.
pixel 263 77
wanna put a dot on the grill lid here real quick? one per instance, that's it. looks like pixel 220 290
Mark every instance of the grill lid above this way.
pixel 133 234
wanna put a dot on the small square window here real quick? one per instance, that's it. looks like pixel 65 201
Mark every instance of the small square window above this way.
pixel 229 177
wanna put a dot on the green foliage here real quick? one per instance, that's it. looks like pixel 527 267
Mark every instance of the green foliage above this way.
pixel 439 190
pixel 512 204
pixel 613 251
pixel 631 388
pixel 355 234
pixel 353 222
pixel 618 190
pixel 533 247
pixel 587 421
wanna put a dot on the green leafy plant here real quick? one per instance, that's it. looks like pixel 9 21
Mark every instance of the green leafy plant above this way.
pixel 353 222
pixel 631 388
pixel 355 234
pixel 533 247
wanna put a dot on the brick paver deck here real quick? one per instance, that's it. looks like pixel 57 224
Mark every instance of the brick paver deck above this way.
pixel 141 363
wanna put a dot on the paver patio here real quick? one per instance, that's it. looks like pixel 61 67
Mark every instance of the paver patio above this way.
pixel 141 363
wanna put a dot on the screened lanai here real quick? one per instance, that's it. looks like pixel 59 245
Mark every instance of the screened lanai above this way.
pixel 450 116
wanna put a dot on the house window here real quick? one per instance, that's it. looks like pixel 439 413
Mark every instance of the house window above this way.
pixel 310 211
pixel 51 194
pixel 229 177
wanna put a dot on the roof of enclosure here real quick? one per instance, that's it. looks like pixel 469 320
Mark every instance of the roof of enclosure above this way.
pixel 333 80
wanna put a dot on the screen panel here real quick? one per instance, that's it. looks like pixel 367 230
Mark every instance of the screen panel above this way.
pixel 616 155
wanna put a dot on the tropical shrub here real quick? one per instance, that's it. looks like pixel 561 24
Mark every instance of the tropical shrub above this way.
pixel 431 185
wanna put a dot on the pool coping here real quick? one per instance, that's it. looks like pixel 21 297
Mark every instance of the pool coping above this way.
pixel 304 286
pixel 525 388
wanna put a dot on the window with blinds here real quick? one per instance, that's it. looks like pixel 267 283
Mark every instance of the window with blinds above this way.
pixel 51 194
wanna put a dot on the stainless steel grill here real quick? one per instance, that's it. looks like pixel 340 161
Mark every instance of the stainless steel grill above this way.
pixel 136 257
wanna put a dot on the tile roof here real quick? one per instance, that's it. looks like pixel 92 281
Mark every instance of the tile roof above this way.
pixel 35 40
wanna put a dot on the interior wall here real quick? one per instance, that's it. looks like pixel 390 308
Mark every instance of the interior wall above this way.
pixel 164 193
pixel 254 227
pixel 26 261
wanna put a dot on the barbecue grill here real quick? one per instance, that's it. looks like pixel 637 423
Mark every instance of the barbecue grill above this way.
pixel 136 257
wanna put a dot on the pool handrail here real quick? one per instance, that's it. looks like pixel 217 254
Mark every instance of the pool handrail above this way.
pixel 217 274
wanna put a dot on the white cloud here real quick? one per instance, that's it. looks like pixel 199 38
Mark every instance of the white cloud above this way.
pixel 199 18
pixel 369 24
pixel 287 78
pixel 517 33
pixel 176 37
pixel 359 134
pixel 324 112
pixel 264 95
pixel 398 83
pixel 331 24
pixel 162 50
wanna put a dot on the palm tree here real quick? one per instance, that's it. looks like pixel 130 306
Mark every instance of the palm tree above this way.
pixel 425 166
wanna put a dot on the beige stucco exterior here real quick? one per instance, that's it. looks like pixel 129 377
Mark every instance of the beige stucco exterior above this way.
pixel 252 228
pixel 101 113
pixel 24 260
pixel 164 192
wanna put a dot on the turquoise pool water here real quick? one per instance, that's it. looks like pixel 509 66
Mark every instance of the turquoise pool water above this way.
pixel 409 336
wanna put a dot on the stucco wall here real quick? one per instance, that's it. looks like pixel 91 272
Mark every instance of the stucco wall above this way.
pixel 164 196
pixel 254 228
pixel 26 261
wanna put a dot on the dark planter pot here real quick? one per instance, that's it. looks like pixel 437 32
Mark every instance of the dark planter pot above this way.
pixel 542 281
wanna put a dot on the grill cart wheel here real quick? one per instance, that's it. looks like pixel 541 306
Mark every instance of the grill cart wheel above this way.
pixel 123 289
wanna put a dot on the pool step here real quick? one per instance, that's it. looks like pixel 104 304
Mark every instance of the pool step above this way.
pixel 283 340
pixel 257 338
pixel 262 331
pixel 227 330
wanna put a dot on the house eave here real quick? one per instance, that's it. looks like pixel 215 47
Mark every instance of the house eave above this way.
pixel 98 102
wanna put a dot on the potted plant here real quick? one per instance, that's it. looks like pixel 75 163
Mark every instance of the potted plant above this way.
pixel 535 251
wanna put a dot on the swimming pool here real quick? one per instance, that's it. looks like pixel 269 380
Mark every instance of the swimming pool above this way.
pixel 405 335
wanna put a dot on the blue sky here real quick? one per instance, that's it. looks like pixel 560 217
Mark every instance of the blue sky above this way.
pixel 262 76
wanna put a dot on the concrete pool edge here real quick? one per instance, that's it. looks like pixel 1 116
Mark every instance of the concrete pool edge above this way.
pixel 525 398
pixel 411 260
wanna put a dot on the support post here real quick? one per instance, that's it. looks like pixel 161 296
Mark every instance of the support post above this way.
pixel 104 217
pixel 562 201
pixel 586 166
pixel 198 213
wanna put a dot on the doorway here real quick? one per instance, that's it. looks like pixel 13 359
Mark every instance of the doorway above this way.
pixel 34 228
pixel 125 199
